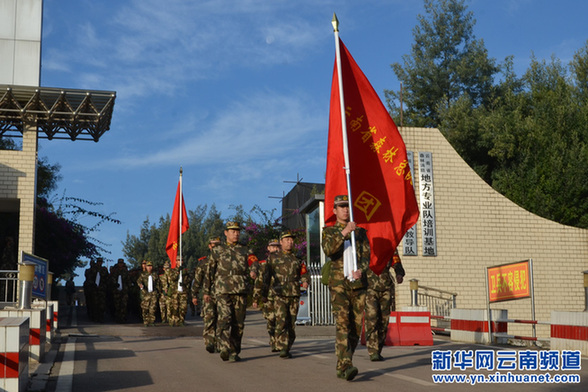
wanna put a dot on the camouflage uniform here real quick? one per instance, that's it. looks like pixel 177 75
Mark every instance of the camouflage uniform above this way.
pixel 120 284
pixel 347 298
pixel 379 302
pixel 164 284
pixel 177 296
pixel 98 280
pixel 148 299
pixel 282 275
pixel 227 274
pixel 268 308
pixel 209 311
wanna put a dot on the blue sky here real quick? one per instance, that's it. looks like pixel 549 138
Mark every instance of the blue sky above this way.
pixel 237 92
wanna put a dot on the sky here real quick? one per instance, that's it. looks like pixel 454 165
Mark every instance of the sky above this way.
pixel 236 92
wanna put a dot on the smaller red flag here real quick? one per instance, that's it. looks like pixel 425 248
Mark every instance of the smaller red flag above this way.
pixel 173 237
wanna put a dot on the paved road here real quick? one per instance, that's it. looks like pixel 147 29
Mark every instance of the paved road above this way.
pixel 112 357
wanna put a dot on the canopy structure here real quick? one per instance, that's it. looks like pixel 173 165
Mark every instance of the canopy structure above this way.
pixel 58 113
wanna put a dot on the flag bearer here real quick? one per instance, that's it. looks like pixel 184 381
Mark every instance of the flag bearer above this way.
pixel 347 286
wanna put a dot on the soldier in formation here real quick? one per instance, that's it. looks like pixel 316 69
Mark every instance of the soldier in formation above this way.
pixel 268 308
pixel 347 284
pixel 164 292
pixel 120 285
pixel 229 270
pixel 379 302
pixel 283 274
pixel 148 282
pixel 95 288
pixel 209 312
pixel 177 295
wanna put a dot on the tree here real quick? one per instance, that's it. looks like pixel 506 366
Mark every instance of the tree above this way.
pixel 446 62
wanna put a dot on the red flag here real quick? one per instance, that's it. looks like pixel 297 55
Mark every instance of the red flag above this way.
pixel 174 228
pixel 383 196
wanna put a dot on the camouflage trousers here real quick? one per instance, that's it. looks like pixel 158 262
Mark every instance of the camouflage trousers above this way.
pixel 120 299
pixel 210 316
pixel 148 307
pixel 347 306
pixel 177 306
pixel 286 311
pixel 377 314
pixel 270 316
pixel 231 321
pixel 98 305
pixel 163 310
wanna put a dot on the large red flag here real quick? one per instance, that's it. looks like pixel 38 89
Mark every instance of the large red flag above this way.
pixel 174 228
pixel 383 196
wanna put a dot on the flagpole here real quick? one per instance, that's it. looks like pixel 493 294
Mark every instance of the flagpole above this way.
pixel 181 216
pixel 335 23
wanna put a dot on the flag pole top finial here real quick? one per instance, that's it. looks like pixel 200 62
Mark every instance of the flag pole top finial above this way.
pixel 335 23
pixel 181 170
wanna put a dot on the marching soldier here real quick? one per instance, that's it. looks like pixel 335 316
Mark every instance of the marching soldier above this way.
pixel 229 269
pixel 268 308
pixel 209 311
pixel 379 302
pixel 148 282
pixel 347 289
pixel 177 295
pixel 283 274
pixel 164 293
pixel 120 283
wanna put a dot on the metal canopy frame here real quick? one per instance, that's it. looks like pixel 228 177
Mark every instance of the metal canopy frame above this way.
pixel 58 113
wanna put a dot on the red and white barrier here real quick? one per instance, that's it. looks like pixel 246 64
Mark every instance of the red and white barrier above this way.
pixel 14 354
pixel 471 325
pixel 409 329
pixel 49 314
pixel 569 331
pixel 37 329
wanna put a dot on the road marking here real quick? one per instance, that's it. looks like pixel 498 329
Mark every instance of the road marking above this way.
pixel 66 371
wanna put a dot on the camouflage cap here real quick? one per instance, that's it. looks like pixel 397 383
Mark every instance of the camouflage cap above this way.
pixel 99 260
pixel 149 263
pixel 273 242
pixel 144 262
pixel 286 234
pixel 215 240
pixel 121 261
pixel 166 264
pixel 341 200
pixel 233 226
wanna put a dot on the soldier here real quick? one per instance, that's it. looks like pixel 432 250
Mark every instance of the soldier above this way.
pixel 90 288
pixel 148 282
pixel 120 283
pixel 228 272
pixel 164 293
pixel 379 302
pixel 283 274
pixel 268 308
pixel 347 286
pixel 177 296
pixel 100 278
pixel 209 311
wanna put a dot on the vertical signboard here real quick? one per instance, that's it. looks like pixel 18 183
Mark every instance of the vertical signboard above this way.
pixel 427 195
pixel 41 273
pixel 409 241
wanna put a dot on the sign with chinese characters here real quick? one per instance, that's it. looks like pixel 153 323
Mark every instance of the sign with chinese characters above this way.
pixel 41 274
pixel 409 241
pixel 427 204
pixel 509 281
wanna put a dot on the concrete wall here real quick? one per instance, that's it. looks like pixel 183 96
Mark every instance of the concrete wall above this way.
pixel 477 227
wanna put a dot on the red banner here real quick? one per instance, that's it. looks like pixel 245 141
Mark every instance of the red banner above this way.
pixel 174 228
pixel 383 196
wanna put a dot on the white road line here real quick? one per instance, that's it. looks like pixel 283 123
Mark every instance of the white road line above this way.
pixel 66 371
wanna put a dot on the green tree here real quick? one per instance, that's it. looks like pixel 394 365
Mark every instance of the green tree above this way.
pixel 445 63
